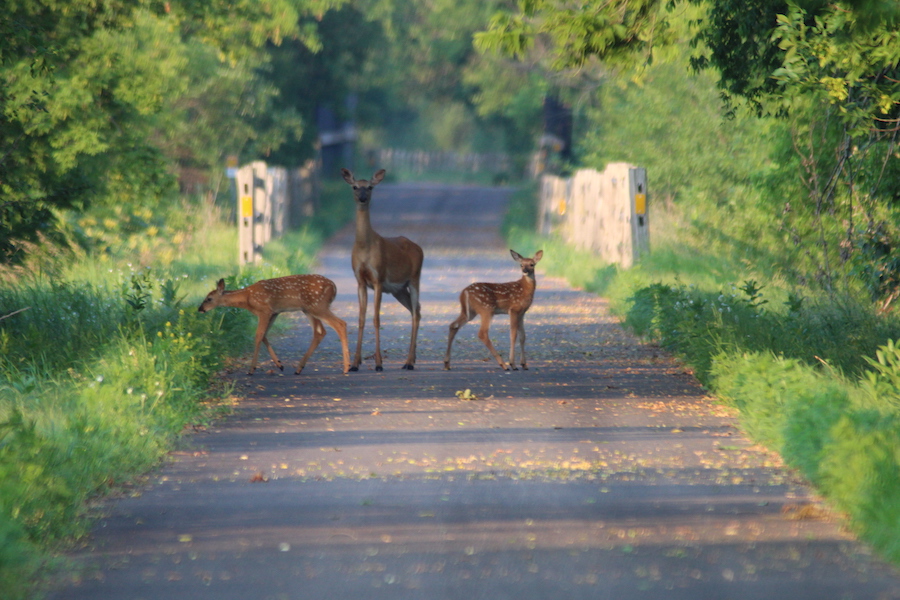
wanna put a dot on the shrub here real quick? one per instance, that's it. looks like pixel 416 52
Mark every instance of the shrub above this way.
pixel 861 473
pixel 97 399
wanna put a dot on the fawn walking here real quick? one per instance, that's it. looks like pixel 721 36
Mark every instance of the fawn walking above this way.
pixel 312 294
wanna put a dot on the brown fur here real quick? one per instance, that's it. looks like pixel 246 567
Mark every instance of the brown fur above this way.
pixel 392 265
pixel 312 294
pixel 489 299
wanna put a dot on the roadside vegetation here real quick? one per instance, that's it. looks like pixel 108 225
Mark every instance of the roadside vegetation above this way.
pixel 773 270
pixel 815 377
pixel 109 360
pixel 769 132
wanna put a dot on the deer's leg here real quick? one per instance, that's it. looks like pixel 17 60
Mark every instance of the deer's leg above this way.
pixel 484 336
pixel 404 297
pixel 262 329
pixel 416 311
pixel 340 327
pixel 455 326
pixel 513 333
pixel 524 363
pixel 376 323
pixel 318 334
pixel 269 346
pixel 257 340
pixel 363 294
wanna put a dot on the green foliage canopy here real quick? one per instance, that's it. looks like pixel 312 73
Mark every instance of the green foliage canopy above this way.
pixel 432 89
pixel 850 63
pixel 575 33
pixel 100 99
pixel 749 42
pixel 829 71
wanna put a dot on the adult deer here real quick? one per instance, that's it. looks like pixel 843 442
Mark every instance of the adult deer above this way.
pixel 268 298
pixel 489 299
pixel 392 265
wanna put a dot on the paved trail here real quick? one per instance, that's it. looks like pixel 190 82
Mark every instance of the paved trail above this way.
pixel 603 472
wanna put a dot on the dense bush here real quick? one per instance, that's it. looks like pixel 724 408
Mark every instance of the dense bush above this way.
pixel 808 384
pixel 841 332
pixel 105 381
pixel 834 430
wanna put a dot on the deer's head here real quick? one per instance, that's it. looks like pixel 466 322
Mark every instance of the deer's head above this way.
pixel 527 264
pixel 214 298
pixel 362 189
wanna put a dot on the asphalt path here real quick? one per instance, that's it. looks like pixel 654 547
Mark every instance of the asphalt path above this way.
pixel 602 472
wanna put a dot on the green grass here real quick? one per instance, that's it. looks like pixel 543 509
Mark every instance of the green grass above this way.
pixel 97 395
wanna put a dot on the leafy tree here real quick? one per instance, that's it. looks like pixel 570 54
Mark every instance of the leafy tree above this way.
pixel 831 65
pixel 736 38
pixel 326 74
pixel 608 30
pixel 838 85
pixel 427 88
pixel 828 70
pixel 105 98
pixel 567 51
pixel 743 45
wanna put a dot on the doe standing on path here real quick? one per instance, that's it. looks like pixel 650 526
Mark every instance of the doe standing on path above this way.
pixel 392 265
pixel 312 294
pixel 489 299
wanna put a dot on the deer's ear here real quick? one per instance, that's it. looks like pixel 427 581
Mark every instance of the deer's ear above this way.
pixel 377 177
pixel 348 176
pixel 515 255
pixel 538 255
pixel 221 285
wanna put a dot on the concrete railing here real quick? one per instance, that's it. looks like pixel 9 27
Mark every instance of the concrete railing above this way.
pixel 269 201
pixel 606 213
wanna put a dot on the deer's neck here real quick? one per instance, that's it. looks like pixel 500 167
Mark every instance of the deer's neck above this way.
pixel 236 298
pixel 528 284
pixel 365 235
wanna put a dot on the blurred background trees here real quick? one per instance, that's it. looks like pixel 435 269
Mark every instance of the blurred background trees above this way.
pixel 770 125
pixel 113 101
pixel 130 101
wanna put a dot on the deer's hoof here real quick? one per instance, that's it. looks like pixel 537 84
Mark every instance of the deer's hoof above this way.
pixel 409 367
pixel 524 368
pixel 354 369
pixel 379 368
pixel 446 366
